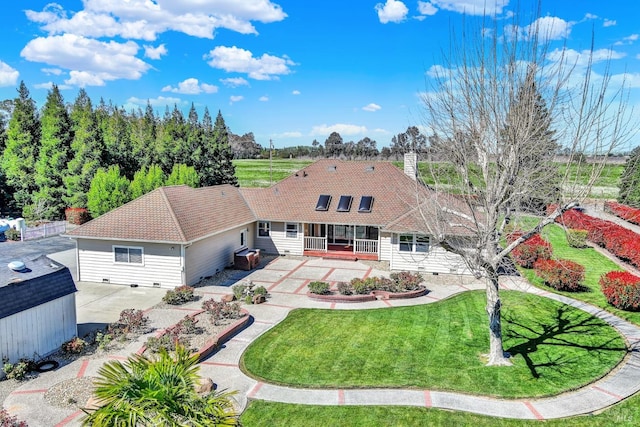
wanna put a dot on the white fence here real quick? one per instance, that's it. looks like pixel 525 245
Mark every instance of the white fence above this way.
pixel 44 230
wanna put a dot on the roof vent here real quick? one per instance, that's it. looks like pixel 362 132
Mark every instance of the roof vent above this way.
pixel 332 168
pixel 17 266
pixel 369 168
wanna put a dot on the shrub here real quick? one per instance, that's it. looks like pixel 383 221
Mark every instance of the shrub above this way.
pixel 219 310
pixel 361 286
pixel 77 216
pixel 260 290
pixel 180 295
pixel 320 288
pixel 345 288
pixel 623 211
pixel 239 291
pixel 74 346
pixel 577 238
pixel 12 234
pixel 103 339
pixel 187 325
pixel 561 274
pixel 622 289
pixel 531 250
pixel 131 320
pixel 406 281
pixel 17 371
pixel 7 420
pixel 168 341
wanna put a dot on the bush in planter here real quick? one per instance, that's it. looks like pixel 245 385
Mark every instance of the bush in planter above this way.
pixel 577 238
pixel 318 287
pixel 239 291
pixel 345 288
pixel 74 346
pixel 561 274
pixel 17 371
pixel 622 289
pixel 130 320
pixel 406 281
pixel 362 286
pixel 180 295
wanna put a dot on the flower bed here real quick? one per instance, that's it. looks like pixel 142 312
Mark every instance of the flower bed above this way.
pixel 372 296
pixel 529 251
pixel 622 289
pixel 560 274
pixel 625 212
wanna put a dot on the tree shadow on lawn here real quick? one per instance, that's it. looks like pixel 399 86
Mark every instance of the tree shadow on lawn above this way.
pixel 564 331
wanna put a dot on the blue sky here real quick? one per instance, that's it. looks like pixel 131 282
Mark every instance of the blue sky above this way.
pixel 291 71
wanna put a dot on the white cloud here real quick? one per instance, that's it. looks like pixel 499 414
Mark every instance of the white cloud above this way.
pixel 8 75
pixel 263 99
pixel 427 8
pixel 160 101
pixel 235 98
pixel 582 59
pixel 549 28
pixel 391 11
pixel 292 134
pixel 609 23
pixel 629 80
pixel 234 59
pixel 91 62
pixel 154 52
pixel 341 128
pixel 191 87
pixel 627 40
pixel 371 107
pixel 234 82
pixel 295 92
pixel 437 71
pixel 588 16
pixel 52 71
pixel 472 7
pixel 49 85
pixel 144 19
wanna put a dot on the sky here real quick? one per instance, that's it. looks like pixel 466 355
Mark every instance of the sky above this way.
pixel 290 71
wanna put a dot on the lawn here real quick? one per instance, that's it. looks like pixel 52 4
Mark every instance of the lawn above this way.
pixel 439 347
pixel 261 413
pixel 259 173
pixel 595 265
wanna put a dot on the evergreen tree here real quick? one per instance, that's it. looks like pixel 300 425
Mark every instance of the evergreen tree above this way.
pixel 630 180
pixel 108 191
pixel 116 130
pixel 53 156
pixel 21 150
pixel 144 133
pixel 333 145
pixel 146 180
pixel 6 201
pixel 216 166
pixel 183 174
pixel 87 151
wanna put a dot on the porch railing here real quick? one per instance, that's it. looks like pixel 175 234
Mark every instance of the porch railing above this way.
pixel 365 246
pixel 315 243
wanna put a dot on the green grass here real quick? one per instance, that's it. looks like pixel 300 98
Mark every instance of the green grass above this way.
pixel 595 265
pixel 261 413
pixel 438 346
pixel 609 177
pixel 256 172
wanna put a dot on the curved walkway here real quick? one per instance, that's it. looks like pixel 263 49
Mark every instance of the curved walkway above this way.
pixel 286 279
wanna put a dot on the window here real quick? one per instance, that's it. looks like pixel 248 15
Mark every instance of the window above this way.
pixel 127 255
pixel 292 230
pixel 264 229
pixel 365 204
pixel 344 205
pixel 414 243
pixel 323 202
pixel 406 243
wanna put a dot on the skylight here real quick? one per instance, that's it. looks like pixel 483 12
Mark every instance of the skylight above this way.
pixel 345 204
pixel 365 204
pixel 323 202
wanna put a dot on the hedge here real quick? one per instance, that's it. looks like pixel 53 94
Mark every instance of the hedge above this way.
pixel 560 274
pixel 623 211
pixel 531 250
pixel 622 289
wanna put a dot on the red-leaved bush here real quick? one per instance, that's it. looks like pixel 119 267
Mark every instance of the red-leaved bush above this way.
pixel 531 250
pixel 622 289
pixel 623 211
pixel 620 241
pixel 77 216
pixel 560 274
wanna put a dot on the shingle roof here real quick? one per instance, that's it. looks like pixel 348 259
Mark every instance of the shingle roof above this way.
pixel 174 214
pixel 42 281
pixel 295 198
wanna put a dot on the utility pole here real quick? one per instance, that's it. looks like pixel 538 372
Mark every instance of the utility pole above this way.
pixel 270 159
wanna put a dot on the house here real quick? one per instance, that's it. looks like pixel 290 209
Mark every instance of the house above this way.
pixel 346 209
pixel 37 308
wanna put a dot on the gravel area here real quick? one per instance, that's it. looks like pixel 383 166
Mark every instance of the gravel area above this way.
pixel 70 394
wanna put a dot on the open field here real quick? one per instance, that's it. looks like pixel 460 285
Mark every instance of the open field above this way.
pixel 438 346
pixel 259 173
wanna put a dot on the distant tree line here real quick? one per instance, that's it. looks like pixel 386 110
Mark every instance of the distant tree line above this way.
pixel 77 155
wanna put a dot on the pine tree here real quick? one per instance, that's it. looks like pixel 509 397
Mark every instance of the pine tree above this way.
pixel 21 151
pixel 108 191
pixel 183 174
pixel 630 180
pixel 53 157
pixel 87 150
pixel 116 130
pixel 216 166
pixel 146 180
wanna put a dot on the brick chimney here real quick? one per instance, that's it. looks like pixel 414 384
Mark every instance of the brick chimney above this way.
pixel 411 164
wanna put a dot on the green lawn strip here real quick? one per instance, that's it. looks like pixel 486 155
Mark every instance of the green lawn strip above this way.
pixel 439 347
pixel 595 265
pixel 260 173
pixel 261 413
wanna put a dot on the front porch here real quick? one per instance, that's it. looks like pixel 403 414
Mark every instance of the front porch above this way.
pixel 342 241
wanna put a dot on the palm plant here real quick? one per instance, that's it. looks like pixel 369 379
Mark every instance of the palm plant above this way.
pixel 157 392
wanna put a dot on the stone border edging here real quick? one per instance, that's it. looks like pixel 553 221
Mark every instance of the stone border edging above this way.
pixel 372 296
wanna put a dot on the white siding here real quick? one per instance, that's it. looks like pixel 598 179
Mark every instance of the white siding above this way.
pixel 208 256
pixel 385 247
pixel 436 260
pixel 162 264
pixel 39 331
pixel 279 243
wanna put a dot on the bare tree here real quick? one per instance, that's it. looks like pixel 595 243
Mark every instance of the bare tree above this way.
pixel 501 102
